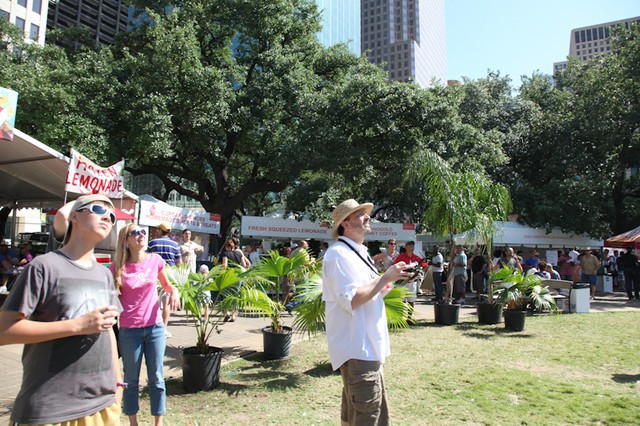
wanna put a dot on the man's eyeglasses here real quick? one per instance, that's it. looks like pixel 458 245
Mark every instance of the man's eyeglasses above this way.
pixel 391 244
pixel 136 232
pixel 100 211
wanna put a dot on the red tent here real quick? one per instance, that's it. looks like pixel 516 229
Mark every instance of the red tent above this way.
pixel 629 238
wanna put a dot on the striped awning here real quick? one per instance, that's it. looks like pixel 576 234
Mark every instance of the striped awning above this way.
pixel 624 240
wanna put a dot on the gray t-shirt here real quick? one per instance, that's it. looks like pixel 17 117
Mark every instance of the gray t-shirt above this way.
pixel 72 377
pixel 460 259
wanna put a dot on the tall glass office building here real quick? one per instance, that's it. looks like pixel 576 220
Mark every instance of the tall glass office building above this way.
pixel 340 23
pixel 408 37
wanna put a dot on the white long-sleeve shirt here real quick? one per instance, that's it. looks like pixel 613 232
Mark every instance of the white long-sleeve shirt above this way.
pixel 359 333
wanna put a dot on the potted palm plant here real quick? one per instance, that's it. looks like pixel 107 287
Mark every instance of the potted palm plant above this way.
pixel 518 293
pixel 310 312
pixel 203 297
pixel 489 310
pixel 265 289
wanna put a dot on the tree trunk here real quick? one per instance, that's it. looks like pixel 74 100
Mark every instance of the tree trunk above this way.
pixel 4 214
pixel 619 220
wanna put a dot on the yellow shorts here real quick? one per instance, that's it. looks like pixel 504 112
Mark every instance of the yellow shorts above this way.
pixel 109 416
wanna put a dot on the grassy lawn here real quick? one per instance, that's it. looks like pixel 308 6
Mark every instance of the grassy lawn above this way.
pixel 563 369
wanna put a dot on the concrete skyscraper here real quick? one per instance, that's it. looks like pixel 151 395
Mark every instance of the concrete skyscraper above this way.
pixel 340 23
pixel 586 42
pixel 104 18
pixel 30 17
pixel 409 36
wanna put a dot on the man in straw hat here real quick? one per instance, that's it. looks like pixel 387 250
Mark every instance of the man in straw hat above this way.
pixel 62 308
pixel 356 322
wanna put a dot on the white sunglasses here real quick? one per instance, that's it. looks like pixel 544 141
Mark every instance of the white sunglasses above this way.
pixel 100 211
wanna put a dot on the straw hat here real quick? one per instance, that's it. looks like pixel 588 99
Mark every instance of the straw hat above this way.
pixel 343 210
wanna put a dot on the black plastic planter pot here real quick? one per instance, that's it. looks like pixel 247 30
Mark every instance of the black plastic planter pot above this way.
pixel 200 371
pixel 489 313
pixel 277 345
pixel 514 320
pixel 446 314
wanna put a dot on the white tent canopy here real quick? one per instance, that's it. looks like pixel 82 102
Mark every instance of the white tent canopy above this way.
pixel 34 175
pixel 516 234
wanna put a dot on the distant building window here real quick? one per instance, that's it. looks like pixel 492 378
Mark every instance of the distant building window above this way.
pixel 578 53
pixel 20 23
pixel 22 3
pixel 4 15
pixel 33 32
pixel 36 6
pixel 576 37
pixel 583 36
pixel 601 33
pixel 606 32
pixel 589 35
pixel 595 33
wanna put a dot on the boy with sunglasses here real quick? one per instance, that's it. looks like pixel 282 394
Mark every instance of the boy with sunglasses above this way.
pixel 62 308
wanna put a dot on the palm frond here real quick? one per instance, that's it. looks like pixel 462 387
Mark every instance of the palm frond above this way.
pixel 397 311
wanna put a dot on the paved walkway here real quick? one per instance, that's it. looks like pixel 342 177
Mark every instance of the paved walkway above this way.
pixel 241 338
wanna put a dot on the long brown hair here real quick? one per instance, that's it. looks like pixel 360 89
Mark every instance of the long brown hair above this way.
pixel 122 254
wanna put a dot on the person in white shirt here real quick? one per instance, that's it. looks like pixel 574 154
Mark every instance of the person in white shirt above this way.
pixel 574 255
pixel 356 323
pixel 189 249
pixel 438 270
pixel 251 252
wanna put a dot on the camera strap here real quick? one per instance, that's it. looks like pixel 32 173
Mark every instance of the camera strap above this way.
pixel 368 262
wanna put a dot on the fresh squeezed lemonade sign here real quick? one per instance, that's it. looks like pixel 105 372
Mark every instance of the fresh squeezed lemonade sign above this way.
pixel 86 177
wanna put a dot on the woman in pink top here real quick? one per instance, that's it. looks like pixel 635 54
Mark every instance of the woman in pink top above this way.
pixel 136 273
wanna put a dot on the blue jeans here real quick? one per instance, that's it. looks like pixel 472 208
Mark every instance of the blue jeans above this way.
pixel 133 343
pixel 437 284
pixel 591 279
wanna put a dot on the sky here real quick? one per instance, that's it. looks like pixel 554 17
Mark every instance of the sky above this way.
pixel 519 37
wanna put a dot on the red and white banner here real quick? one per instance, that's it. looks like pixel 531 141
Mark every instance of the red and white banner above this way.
pixel 261 226
pixel 86 177
pixel 153 212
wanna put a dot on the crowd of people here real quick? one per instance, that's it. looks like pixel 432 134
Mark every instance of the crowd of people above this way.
pixel 470 272
pixel 96 315
pixel 11 264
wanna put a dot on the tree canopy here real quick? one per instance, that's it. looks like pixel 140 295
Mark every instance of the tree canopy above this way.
pixel 236 104
pixel 578 166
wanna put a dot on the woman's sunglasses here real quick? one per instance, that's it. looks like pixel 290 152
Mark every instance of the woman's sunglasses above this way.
pixel 100 211
pixel 136 232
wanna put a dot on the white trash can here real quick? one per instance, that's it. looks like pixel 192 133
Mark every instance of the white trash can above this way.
pixel 579 299
pixel 605 284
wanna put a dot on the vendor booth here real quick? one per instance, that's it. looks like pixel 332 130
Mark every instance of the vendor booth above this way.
pixel 35 175
pixel 522 237
pixel 270 227
pixel 515 234
pixel 153 212
pixel 277 227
